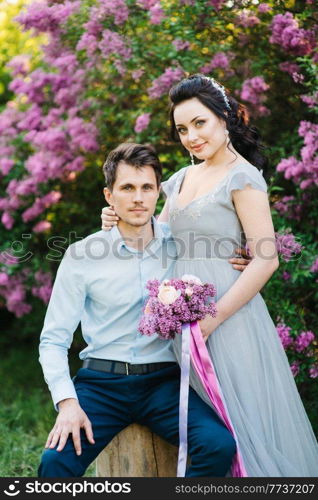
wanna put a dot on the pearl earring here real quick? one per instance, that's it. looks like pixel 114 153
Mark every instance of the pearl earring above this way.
pixel 192 159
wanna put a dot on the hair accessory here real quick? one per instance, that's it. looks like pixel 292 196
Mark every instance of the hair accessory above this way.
pixel 220 88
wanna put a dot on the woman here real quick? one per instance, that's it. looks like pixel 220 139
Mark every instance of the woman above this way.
pixel 209 206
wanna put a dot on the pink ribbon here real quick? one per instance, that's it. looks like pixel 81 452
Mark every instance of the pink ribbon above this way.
pixel 204 368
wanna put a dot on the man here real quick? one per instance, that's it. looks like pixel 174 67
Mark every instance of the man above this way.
pixel 126 377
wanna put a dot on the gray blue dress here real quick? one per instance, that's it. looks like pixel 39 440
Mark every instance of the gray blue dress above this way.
pixel 273 430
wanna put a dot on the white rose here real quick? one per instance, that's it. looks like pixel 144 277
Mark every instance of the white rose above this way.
pixel 190 278
pixel 168 295
pixel 189 291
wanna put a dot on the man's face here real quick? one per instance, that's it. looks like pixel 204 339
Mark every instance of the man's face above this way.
pixel 134 195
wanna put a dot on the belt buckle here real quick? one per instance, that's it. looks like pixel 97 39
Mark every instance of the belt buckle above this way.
pixel 127 368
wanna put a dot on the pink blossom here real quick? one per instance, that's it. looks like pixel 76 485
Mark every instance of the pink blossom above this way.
pixel 219 60
pixel 83 134
pixel 113 43
pixel 115 8
pixel 217 4
pixel 53 139
pixel 147 4
pixel 304 340
pixel 162 84
pixel 295 368
pixel 313 371
pixel 287 207
pixel 247 19
pixel 314 266
pixel 253 90
pixel 43 292
pixel 5 165
pixel 40 205
pixel 180 44
pixel 142 122
pixel 89 43
pixel 20 65
pixel 284 334
pixel 4 279
pixel 42 226
pixel 286 276
pixel 310 100
pixel 137 74
pixel 298 77
pixel 263 8
pixel 156 14
pixel 287 34
pixel 289 67
pixel 42 17
pixel 7 220
pixel 31 118
pixel 287 246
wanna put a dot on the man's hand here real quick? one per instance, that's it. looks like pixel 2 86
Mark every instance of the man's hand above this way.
pixel 70 420
pixel 240 263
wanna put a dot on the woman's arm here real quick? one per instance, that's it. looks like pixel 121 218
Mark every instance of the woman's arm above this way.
pixel 164 215
pixel 253 210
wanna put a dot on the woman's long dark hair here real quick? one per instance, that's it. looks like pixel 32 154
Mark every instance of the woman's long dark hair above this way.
pixel 245 138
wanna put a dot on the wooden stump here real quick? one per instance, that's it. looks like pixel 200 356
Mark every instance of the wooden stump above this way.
pixel 137 452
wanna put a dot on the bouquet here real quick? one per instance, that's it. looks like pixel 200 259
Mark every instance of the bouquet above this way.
pixel 175 302
pixel 174 307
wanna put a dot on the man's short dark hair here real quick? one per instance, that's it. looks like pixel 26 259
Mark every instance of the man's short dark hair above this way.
pixel 136 155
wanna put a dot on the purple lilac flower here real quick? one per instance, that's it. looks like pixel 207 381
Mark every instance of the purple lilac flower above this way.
pixel 253 90
pixel 147 4
pixel 263 8
pixel 314 267
pixel 156 13
pixel 313 371
pixel 286 276
pixel 181 44
pixel 219 60
pixel 289 67
pixel 284 334
pixel 295 368
pixel 162 84
pixel 40 205
pixel 142 122
pixel 287 246
pixel 42 17
pixel 137 74
pixel 310 100
pixel 113 43
pixel 116 8
pixel 287 34
pixel 41 227
pixel 303 340
pixel 247 19
pixel 217 4
pixel 305 171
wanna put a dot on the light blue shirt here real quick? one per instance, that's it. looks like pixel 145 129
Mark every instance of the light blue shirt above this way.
pixel 101 282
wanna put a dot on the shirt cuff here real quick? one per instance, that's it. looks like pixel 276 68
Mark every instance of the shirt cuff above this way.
pixel 64 390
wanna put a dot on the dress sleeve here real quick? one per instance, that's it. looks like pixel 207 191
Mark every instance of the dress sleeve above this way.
pixel 168 186
pixel 247 176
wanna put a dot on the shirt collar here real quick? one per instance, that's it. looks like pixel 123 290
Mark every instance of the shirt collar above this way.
pixel 159 235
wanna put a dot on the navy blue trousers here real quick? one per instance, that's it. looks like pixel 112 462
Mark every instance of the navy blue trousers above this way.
pixel 112 402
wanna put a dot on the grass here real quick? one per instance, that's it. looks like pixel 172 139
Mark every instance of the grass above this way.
pixel 26 412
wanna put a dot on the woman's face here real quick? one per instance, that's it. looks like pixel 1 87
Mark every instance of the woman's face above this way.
pixel 201 132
